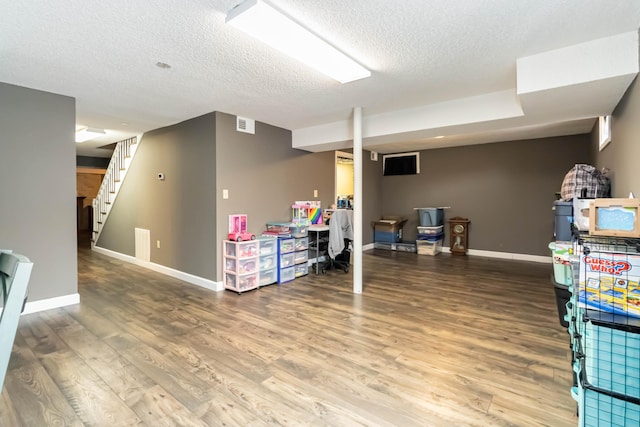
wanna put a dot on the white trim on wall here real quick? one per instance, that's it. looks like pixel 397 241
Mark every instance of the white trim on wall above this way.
pixel 493 254
pixel 190 278
pixel 51 303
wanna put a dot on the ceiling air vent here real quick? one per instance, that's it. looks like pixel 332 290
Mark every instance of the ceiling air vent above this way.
pixel 245 125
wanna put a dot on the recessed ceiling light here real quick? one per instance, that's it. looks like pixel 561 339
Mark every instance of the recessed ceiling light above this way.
pixel 124 123
pixel 438 137
pixel 163 65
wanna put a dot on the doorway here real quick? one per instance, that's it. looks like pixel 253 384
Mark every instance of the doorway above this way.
pixel 344 179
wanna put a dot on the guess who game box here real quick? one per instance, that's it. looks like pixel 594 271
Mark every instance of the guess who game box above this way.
pixel 609 282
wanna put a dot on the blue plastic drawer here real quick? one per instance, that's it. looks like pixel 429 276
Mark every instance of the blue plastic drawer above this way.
pixel 286 260
pixel 612 358
pixel 286 245
pixel 286 274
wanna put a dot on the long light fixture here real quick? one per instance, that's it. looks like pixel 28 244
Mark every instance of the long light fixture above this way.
pixel 86 134
pixel 262 21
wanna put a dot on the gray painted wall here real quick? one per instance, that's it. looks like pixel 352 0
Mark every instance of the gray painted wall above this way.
pixel 371 194
pixel 505 189
pixel 179 211
pixel 622 153
pixel 199 158
pixel 38 191
pixel 264 175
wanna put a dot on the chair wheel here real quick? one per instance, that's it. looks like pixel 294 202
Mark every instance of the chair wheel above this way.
pixel 346 269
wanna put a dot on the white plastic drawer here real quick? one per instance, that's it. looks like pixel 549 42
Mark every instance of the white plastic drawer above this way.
pixel 268 262
pixel 302 270
pixel 268 277
pixel 300 257
pixel 268 245
pixel 302 244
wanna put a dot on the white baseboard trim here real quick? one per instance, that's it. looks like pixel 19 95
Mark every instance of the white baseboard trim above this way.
pixel 50 303
pixel 494 254
pixel 508 255
pixel 367 247
pixel 190 278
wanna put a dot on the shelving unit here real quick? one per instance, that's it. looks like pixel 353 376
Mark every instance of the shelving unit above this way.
pixel 286 259
pixel 240 263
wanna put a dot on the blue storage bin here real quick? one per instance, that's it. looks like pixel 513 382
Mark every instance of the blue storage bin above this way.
pixel 386 236
pixel 431 217
pixel 430 237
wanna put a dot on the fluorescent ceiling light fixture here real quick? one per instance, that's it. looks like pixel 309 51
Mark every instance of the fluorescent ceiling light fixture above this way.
pixel 88 133
pixel 262 21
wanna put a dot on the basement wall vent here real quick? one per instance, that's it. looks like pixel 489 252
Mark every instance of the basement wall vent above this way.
pixel 245 125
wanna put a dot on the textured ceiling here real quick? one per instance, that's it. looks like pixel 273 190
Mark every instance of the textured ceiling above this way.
pixel 420 52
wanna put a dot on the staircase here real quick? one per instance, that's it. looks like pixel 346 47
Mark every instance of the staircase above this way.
pixel 113 178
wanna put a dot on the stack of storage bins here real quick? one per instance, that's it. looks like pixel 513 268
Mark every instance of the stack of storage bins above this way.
pixel 301 254
pixel 604 322
pixel 292 249
pixel 268 260
pixel 561 251
pixel 430 231
pixel 387 232
pixel 240 262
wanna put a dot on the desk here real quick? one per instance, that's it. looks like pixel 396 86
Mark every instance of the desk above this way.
pixel 318 229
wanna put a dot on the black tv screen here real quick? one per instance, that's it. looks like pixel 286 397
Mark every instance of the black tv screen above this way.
pixel 401 165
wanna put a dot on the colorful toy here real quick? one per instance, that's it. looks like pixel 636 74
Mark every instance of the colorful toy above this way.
pixel 238 228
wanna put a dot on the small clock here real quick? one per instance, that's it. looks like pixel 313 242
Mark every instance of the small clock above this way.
pixel 459 236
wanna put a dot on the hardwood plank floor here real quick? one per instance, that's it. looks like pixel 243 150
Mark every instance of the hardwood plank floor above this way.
pixel 432 341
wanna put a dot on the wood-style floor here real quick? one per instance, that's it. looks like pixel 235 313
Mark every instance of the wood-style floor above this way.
pixel 432 341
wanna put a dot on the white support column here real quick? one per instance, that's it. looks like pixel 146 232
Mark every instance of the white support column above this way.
pixel 357 200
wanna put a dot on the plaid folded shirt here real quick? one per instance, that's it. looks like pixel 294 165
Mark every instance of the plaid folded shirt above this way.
pixel 585 181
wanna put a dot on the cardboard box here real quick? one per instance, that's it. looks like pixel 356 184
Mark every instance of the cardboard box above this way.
pixel 614 217
pixel 389 224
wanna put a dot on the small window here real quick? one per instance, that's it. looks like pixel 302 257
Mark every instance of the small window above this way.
pixel 401 164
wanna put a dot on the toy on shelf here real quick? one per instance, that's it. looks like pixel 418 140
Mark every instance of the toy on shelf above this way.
pixel 307 212
pixel 238 228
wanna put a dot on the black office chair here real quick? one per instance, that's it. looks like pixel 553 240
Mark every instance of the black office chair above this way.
pixel 340 237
